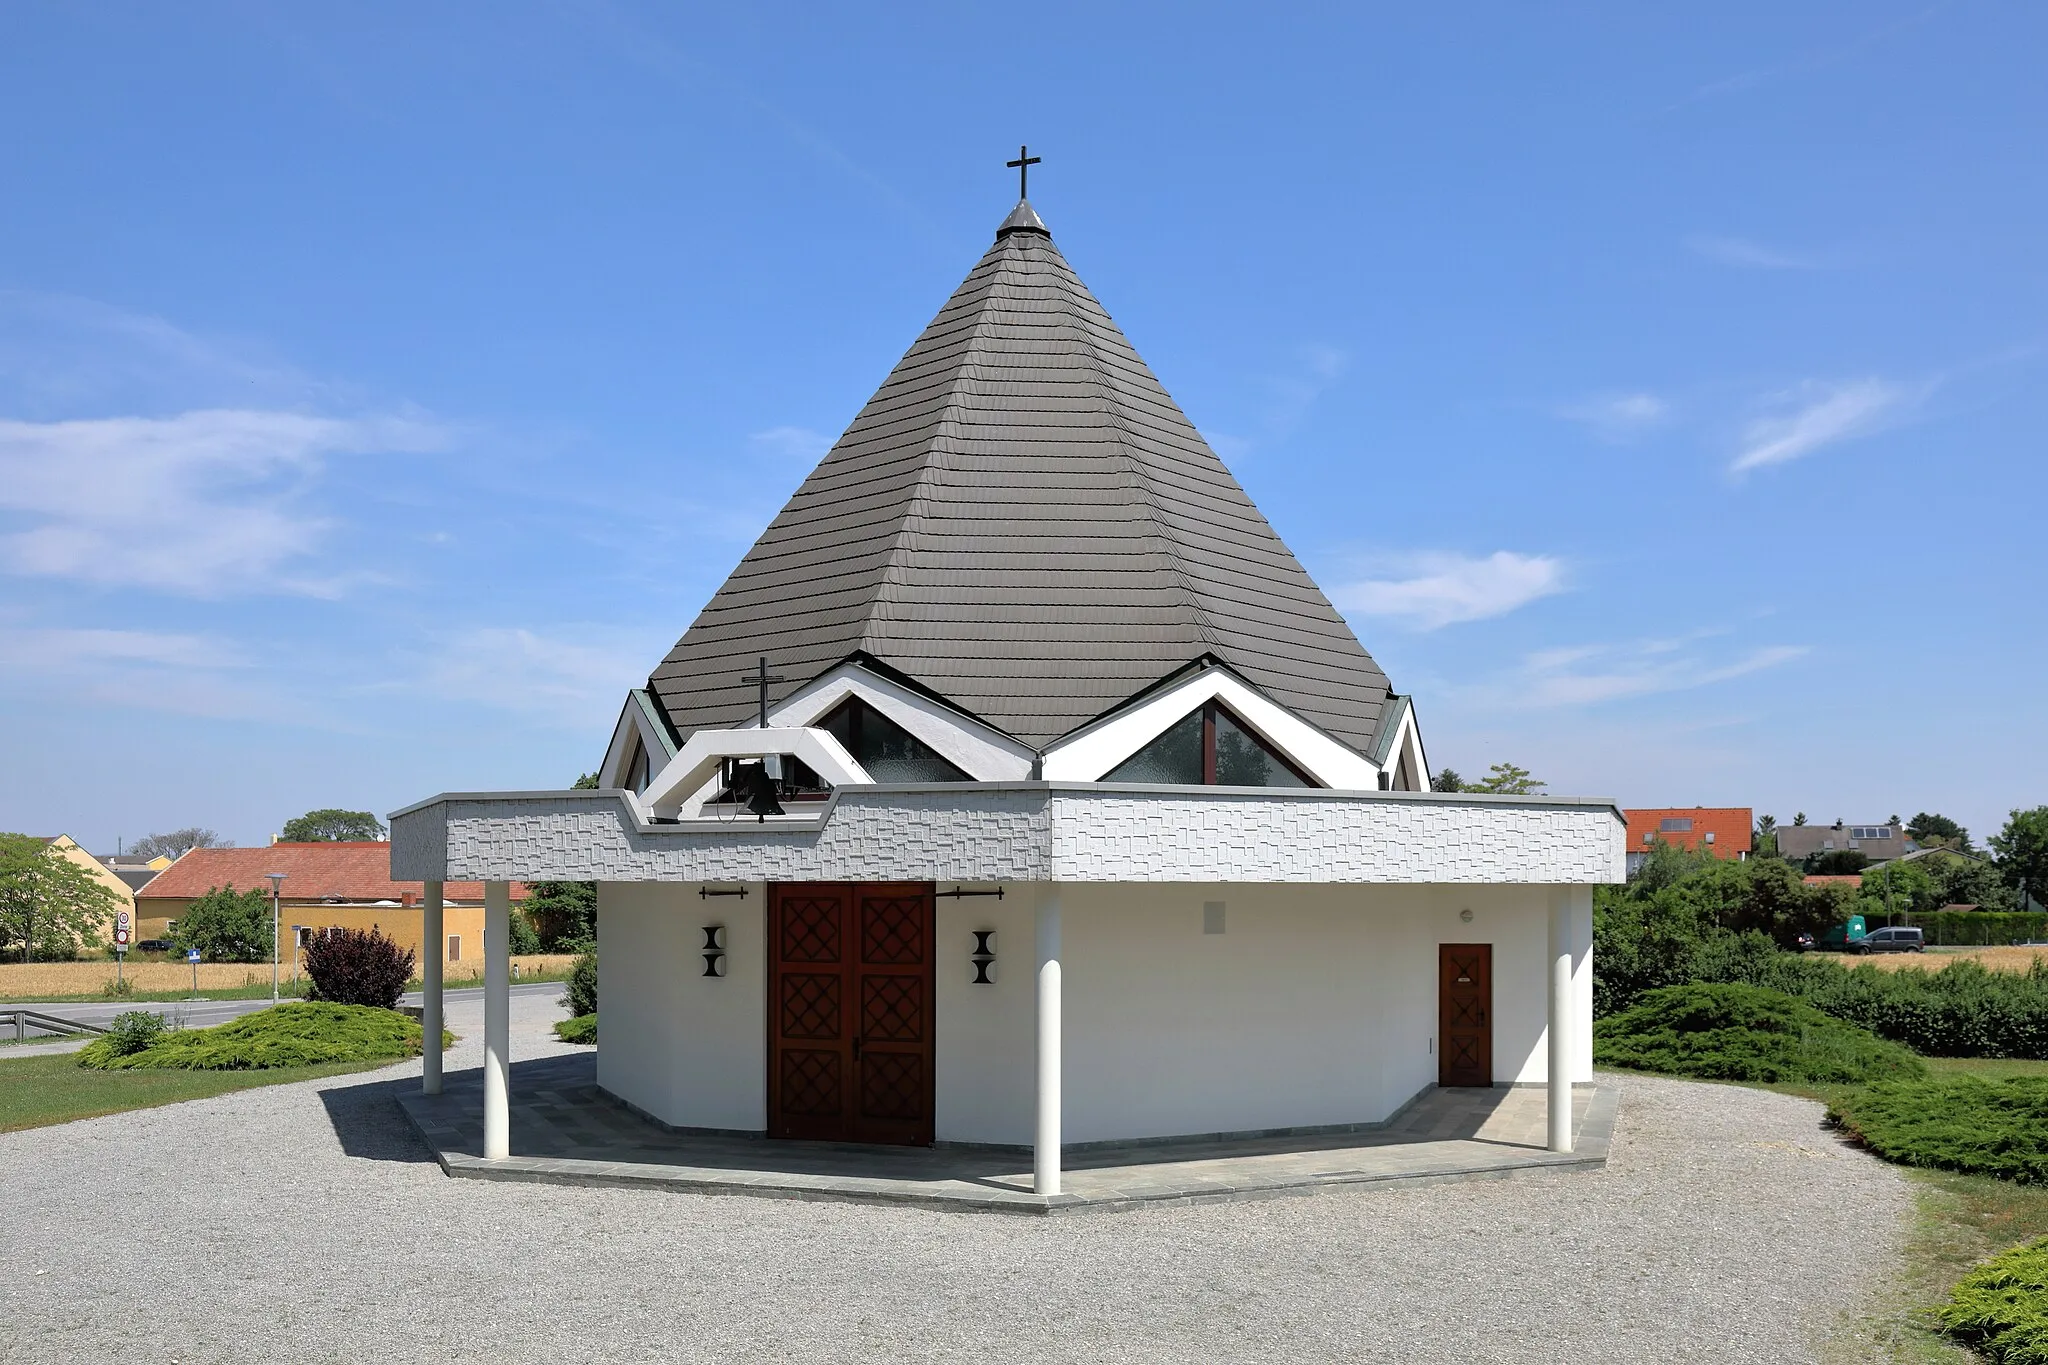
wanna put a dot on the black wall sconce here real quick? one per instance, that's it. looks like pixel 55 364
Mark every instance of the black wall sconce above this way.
pixel 984 957
pixel 714 950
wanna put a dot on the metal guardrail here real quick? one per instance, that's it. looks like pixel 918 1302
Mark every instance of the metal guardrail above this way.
pixel 24 1020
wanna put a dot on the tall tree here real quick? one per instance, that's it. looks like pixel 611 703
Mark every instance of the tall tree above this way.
pixel 587 782
pixel 177 843
pixel 332 827
pixel 50 907
pixel 1508 780
pixel 2022 849
pixel 1447 780
pixel 1938 831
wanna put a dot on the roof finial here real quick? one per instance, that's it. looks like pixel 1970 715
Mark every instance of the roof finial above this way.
pixel 1024 162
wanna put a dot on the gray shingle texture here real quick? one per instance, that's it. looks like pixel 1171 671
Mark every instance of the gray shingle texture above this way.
pixel 1022 521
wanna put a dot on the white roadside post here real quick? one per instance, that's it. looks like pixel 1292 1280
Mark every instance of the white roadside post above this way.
pixel 1045 1161
pixel 1560 1021
pixel 497 1019
pixel 431 948
pixel 276 880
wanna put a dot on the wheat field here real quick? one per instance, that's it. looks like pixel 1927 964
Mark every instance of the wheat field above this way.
pixel 49 980
pixel 1991 959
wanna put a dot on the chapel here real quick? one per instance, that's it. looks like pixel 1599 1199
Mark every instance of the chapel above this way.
pixel 1019 787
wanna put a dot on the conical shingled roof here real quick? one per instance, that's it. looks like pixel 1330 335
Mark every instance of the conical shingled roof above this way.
pixel 1023 522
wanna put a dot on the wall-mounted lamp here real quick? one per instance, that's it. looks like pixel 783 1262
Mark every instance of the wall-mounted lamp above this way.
pixel 714 950
pixel 984 957
pixel 1466 914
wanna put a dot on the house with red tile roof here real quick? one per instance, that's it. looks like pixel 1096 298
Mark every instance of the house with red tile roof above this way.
pixel 326 886
pixel 1724 831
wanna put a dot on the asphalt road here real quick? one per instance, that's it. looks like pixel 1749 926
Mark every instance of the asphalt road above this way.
pixel 202 1013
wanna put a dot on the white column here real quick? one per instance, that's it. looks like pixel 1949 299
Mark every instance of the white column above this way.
pixel 432 946
pixel 497 1019
pixel 1045 1161
pixel 1560 1020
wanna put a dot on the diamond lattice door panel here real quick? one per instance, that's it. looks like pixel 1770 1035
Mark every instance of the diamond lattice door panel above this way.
pixel 850 1012
pixel 1464 1014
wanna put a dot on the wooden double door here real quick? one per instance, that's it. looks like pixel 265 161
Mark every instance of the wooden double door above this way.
pixel 851 974
pixel 1464 1014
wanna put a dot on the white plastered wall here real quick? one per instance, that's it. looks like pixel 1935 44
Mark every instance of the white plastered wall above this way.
pixel 1316 1005
pixel 689 1049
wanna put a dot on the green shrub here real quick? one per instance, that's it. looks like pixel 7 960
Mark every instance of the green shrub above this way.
pixel 296 1034
pixel 1960 1011
pixel 1743 1033
pixel 581 1029
pixel 132 1031
pixel 227 926
pixel 583 984
pixel 2001 1307
pixel 1979 1127
pixel 116 986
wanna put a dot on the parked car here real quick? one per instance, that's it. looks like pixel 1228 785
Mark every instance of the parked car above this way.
pixel 1894 940
pixel 154 945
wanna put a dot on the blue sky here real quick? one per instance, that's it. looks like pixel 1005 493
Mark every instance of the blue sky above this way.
pixel 1658 389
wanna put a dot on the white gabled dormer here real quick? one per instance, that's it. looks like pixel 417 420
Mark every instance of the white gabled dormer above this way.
pixel 1214 728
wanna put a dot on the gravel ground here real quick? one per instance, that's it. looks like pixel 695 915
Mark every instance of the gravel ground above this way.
pixel 304 1223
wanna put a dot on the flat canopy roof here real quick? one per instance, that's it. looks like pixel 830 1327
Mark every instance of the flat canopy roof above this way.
pixel 1025 831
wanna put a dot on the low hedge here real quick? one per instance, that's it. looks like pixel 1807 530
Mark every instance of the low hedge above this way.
pixel 1732 1032
pixel 1980 928
pixel 296 1034
pixel 581 1029
pixel 1972 1125
pixel 1960 1011
pixel 2001 1307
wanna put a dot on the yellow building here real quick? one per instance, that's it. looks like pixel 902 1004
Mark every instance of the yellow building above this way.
pixel 325 886
pixel 65 847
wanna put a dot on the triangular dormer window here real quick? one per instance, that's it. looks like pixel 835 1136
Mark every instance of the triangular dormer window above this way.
pixel 885 749
pixel 1209 747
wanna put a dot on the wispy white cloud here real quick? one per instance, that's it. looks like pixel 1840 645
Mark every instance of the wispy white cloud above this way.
pixel 204 503
pixel 793 443
pixel 61 649
pixel 574 677
pixel 1816 415
pixel 166 672
pixel 1618 416
pixel 1431 590
pixel 1590 674
pixel 1751 255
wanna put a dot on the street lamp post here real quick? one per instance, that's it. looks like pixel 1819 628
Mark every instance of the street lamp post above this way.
pixel 276 881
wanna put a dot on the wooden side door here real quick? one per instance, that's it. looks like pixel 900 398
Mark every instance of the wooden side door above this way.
pixel 1464 1009
pixel 894 980
pixel 810 1047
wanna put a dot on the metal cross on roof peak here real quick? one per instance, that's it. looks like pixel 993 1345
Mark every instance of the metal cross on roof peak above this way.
pixel 1024 162
pixel 764 677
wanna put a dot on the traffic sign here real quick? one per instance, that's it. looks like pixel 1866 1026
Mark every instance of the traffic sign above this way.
pixel 120 928
pixel 191 954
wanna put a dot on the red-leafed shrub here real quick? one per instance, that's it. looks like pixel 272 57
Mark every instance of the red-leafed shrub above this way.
pixel 358 967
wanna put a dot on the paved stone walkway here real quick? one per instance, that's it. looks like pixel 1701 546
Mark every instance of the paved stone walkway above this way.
pixel 566 1131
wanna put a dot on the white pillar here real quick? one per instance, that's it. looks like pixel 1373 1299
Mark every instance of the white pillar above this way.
pixel 432 947
pixel 1045 1160
pixel 497 1019
pixel 1560 1021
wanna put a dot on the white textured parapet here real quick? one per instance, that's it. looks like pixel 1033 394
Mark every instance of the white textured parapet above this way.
pixel 1025 831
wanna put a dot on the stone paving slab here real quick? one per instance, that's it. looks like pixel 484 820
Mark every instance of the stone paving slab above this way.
pixel 565 1130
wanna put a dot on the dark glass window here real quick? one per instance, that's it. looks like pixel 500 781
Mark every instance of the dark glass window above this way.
pixel 1209 747
pixel 885 749
pixel 1175 756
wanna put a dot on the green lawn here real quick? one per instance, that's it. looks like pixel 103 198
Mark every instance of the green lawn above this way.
pixel 38 1091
